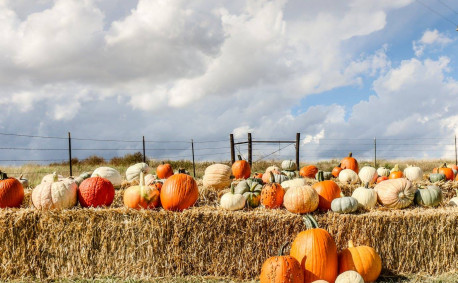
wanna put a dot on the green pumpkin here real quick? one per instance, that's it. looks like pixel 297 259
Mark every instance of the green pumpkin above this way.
pixel 290 174
pixel 288 165
pixel 326 176
pixel 436 177
pixel 251 190
pixel 344 205
pixel 430 196
pixel 280 178
pixel 82 177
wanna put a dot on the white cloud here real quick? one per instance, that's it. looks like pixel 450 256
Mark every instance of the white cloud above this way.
pixel 430 38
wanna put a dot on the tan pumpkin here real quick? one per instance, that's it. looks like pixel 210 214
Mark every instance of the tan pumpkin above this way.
pixel 395 193
pixel 349 277
pixel 58 194
pixel 217 176
pixel 348 176
pixel 133 172
pixel 303 199
pixel 110 174
pixel 297 182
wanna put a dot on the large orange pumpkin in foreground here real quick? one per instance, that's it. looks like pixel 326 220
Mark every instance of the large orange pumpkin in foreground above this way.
pixel 362 259
pixel 316 251
pixel 164 170
pixel 11 191
pixel 308 171
pixel 95 192
pixel 349 162
pixel 241 169
pixel 281 268
pixel 327 191
pixel 179 192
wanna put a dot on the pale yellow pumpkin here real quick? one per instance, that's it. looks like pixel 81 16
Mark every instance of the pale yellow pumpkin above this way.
pixel 133 172
pixel 110 174
pixel 297 182
pixel 217 176
pixel 348 176
pixel 349 277
pixel 395 193
pixel 303 199
pixel 58 194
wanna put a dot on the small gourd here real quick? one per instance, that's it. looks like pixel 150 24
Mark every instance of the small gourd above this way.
pixel 344 205
pixel 251 190
pixel 232 201
pixel 430 196
pixel 436 177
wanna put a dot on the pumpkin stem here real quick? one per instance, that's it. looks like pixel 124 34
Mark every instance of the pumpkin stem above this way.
pixel 281 251
pixel 320 176
pixel 444 165
pixel 366 185
pixel 350 244
pixel 272 177
pixel 395 169
pixel 3 176
pixel 340 165
pixel 239 157
pixel 182 170
pixel 310 221
pixel 232 188
pixel 350 154
pixel 55 178
pixel 20 177
pixel 142 179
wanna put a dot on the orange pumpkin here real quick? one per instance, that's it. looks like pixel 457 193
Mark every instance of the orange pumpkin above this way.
pixel 281 268
pixel 257 175
pixel 381 179
pixel 272 194
pixel 241 169
pixel 316 250
pixel 142 196
pixel 335 172
pixel 327 191
pixel 349 162
pixel 266 177
pixel 164 171
pixel 11 191
pixel 308 171
pixel 448 172
pixel 395 173
pixel 179 192
pixel 362 259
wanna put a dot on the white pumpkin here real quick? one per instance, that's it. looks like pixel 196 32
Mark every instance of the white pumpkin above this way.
pixel 395 193
pixel 382 171
pixel 133 172
pixel 453 201
pixel 288 165
pixel 349 276
pixel 368 174
pixel 348 176
pixel 109 173
pixel 298 182
pixel 366 197
pixel 150 179
pixel 272 168
pixel 50 178
pixel 217 176
pixel 232 201
pixel 55 195
pixel 413 173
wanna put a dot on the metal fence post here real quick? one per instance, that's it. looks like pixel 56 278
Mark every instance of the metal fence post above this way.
pixel 231 138
pixel 456 155
pixel 375 152
pixel 144 155
pixel 70 153
pixel 250 150
pixel 298 138
pixel 193 162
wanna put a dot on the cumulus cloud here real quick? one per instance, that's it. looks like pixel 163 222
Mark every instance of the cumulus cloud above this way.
pixel 430 38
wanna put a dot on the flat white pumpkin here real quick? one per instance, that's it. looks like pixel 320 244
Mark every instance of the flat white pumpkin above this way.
pixel 232 201
pixel 109 173
pixel 133 172
pixel 217 176
pixel 382 171
pixel 366 197
pixel 348 176
pixel 413 173
pixel 368 174
pixel 55 195
pixel 349 276
pixel 298 182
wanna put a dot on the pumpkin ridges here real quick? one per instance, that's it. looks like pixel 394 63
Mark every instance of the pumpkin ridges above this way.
pixel 179 192
pixel 11 191
pixel 327 191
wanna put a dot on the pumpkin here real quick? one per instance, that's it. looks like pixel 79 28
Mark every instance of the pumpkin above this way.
pixel 257 175
pixel 96 191
pixel 349 162
pixel 232 201
pixel 366 197
pixel 288 165
pixel 395 173
pixel 430 196
pixel 344 205
pixel 381 179
pixel 348 176
pixel 272 194
pixel 11 191
pixel 55 195
pixel 301 200
pixel 150 179
pixel 308 171
pixel 110 174
pixel 289 174
pixel 272 168
pixel 448 172
pixel 241 169
pixel 24 182
pixel 436 177
pixel 179 192
pixel 362 259
pixel 395 193
pixel 293 183
pixel 83 176
pixel 336 170
pixel 141 196
pixel 251 190
pixel 454 200
pixel 281 268
pixel 327 191
pixel 133 172
pixel 326 175
pixel 413 173
pixel 164 170
pixel 217 176
pixel 50 178
pixel 316 251
pixel 349 277
pixel 320 281
pixel 368 174
pixel 382 171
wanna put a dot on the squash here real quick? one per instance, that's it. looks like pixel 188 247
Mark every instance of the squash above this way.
pixel 448 172
pixel 436 177
pixel 133 172
pixel 316 250
pixel 241 169
pixel 368 174
pixel 217 176
pixel 281 268
pixel 151 179
pixel 11 191
pixel 24 182
pixel 395 173
pixel 83 176
pixel 362 259
pixel 293 183
pixel 179 192
pixel 348 176
pixel 272 194
pixel 327 191
pixel 164 171
pixel 431 196
pixel 350 162
pixel 326 175
pixel 251 190
pixel 56 195
pixel 336 170
pixel 349 277
pixel 110 174
pixel 366 197
pixel 395 193
pixel 232 201
pixel 344 205
pixel 96 191
pixel 382 171
pixel 289 174
pixel 288 165
pixel 142 196
pixel 274 168
pixel 381 179
pixel 50 178
pixel 301 200
pixel 308 171
pixel 413 173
